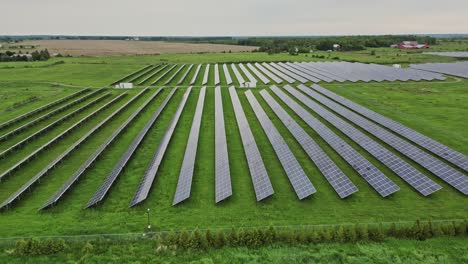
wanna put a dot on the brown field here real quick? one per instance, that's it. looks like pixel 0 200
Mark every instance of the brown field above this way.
pixel 123 47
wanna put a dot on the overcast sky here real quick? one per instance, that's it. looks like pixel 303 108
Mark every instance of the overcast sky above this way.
pixel 232 18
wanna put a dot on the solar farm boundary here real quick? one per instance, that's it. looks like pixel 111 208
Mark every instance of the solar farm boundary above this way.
pixel 361 165
pixel 41 108
pixel 184 184
pixel 131 74
pixel 296 175
pixel 159 69
pixel 145 72
pixel 260 180
pixel 223 185
pixel 56 122
pixel 150 174
pixel 120 165
pixel 163 75
pixel 50 142
pixel 342 185
pixel 456 158
pixel 49 114
pixel 400 167
pixel 445 172
pixel 8 202
pixel 84 166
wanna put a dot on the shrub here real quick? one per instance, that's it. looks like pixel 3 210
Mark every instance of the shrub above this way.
pixel 362 232
pixel 34 246
pixel 87 248
pixel 183 240
pixel 350 234
pixel 338 235
pixel 220 240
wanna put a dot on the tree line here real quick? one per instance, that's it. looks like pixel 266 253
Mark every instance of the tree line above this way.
pixel 41 55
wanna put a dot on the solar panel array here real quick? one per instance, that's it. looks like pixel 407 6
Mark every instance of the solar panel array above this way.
pixel 195 75
pixel 56 138
pixel 459 69
pixel 184 184
pixel 185 74
pixel 239 77
pixel 383 185
pixel 450 175
pixel 143 73
pixel 163 75
pixel 443 151
pixel 412 176
pixel 337 179
pixel 223 186
pixel 112 176
pixel 288 73
pixel 227 74
pixel 81 170
pixel 205 76
pixel 278 73
pixel 268 73
pixel 247 73
pixel 27 186
pixel 174 75
pixel 262 77
pixel 302 74
pixel 42 108
pixel 51 125
pixel 150 174
pixel 260 179
pixel 216 75
pixel 297 177
pixel 160 69
pixel 131 74
pixel 49 114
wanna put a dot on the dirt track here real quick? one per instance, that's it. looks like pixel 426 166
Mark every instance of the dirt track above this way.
pixel 122 47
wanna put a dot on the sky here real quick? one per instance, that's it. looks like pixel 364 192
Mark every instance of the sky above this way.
pixel 232 17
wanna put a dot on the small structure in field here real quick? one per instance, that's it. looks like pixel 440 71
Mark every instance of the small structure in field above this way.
pixel 410 45
pixel 124 85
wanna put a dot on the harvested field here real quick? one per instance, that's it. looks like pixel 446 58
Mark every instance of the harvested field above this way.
pixel 123 47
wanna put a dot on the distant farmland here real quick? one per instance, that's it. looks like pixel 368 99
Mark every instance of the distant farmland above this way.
pixel 123 47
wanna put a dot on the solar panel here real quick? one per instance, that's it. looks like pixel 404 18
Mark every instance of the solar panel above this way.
pixel 51 125
pixel 163 75
pixel 383 185
pixel 194 78
pixel 299 73
pixel 205 76
pixel 48 115
pixel 181 80
pixel 337 179
pixel 81 170
pixel 268 73
pixel 239 77
pixel 142 74
pixel 186 173
pixel 459 69
pixel 222 175
pixel 262 77
pixel 227 74
pixel 131 74
pixel 309 72
pixel 247 73
pixel 315 67
pixel 289 73
pixel 42 108
pixel 56 138
pixel 427 143
pixel 297 177
pixel 112 176
pixel 278 73
pixel 413 177
pixel 8 202
pixel 150 174
pixel 216 74
pixel 437 167
pixel 160 69
pixel 261 182
pixel 174 75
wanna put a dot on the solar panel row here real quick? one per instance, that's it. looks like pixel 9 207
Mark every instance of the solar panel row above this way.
pixel 9 201
pixel 288 73
pixel 145 72
pixel 337 179
pixel 459 69
pixel 239 77
pixel 443 151
pixel 278 73
pixel 297 177
pixel 260 179
pixel 262 77
pixel 56 138
pixel 206 74
pixel 268 73
pixel 174 75
pixel 184 184
pixel 223 186
pixel 131 74
pixel 247 73
pixel 81 170
pixel 412 176
pixel 185 74
pixel 310 73
pixel 112 176
pixel 150 173
pixel 51 125
pixel 298 73
pixel 383 185
pixel 227 74
pixel 162 75
pixel 160 69
pixel 49 114
pixel 195 75
pixel 450 175
pixel 42 108
pixel 216 74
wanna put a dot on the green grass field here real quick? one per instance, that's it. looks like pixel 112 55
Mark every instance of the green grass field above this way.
pixel 437 109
